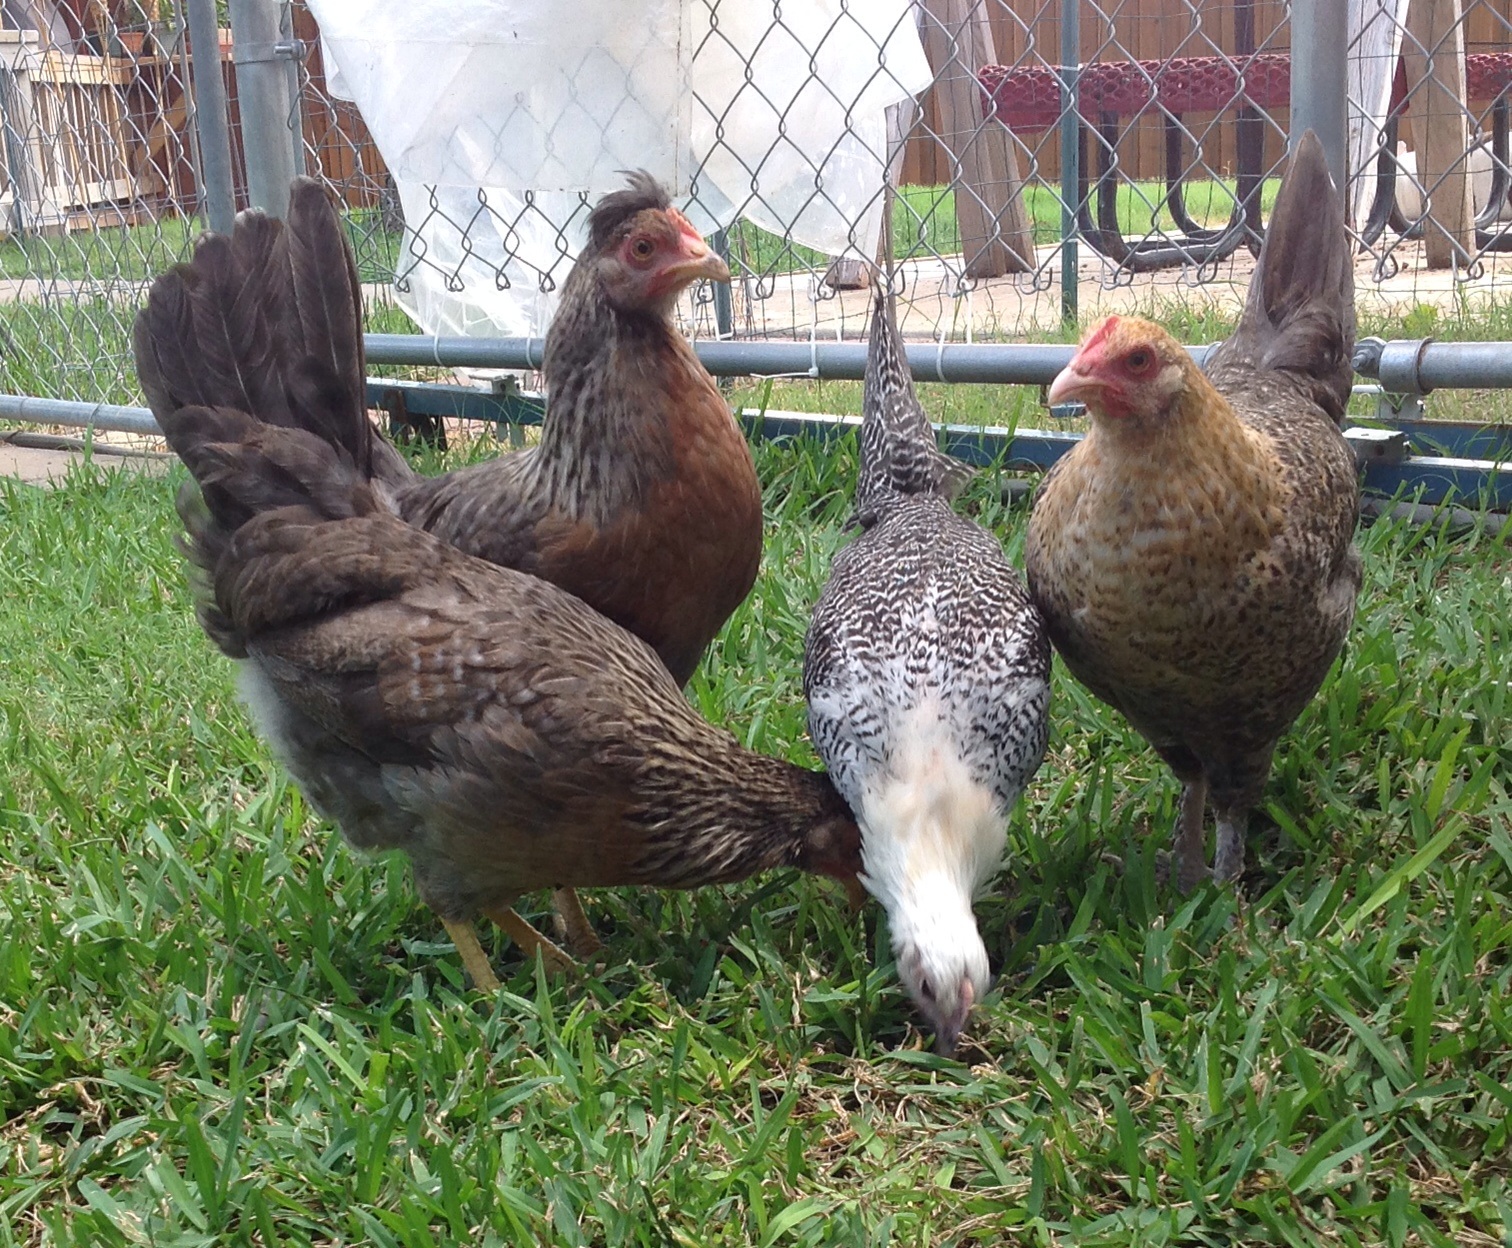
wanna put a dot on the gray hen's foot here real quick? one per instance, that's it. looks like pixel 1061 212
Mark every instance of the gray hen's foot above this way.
pixel 573 925
pixel 1189 849
pixel 1228 861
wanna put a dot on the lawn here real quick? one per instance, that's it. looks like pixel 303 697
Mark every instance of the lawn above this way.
pixel 218 1026
pixel 923 222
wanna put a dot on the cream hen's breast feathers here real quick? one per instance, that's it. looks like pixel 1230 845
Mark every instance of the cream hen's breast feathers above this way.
pixel 1152 560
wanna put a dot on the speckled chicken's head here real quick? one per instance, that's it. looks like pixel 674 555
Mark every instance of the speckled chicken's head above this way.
pixel 644 251
pixel 1127 371
pixel 942 962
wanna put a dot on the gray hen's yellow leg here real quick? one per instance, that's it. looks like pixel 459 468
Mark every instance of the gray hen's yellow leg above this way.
pixel 531 941
pixel 573 923
pixel 1190 849
pixel 1228 858
pixel 474 960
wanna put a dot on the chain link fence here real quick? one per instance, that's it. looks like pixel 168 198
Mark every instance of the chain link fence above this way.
pixel 1149 133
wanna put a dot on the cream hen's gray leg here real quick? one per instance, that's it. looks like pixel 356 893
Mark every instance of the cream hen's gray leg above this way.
pixel 1228 859
pixel 573 925
pixel 1190 847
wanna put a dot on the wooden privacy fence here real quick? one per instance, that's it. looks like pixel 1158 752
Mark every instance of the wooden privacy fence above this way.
pixel 71 142
pixel 88 140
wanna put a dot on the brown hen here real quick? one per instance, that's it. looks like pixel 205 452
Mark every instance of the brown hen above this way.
pixel 492 726
pixel 1193 555
pixel 641 497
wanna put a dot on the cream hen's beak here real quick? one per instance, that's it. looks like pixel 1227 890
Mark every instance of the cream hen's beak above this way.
pixel 1071 385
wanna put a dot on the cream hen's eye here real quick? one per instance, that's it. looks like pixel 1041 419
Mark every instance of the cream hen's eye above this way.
pixel 1140 360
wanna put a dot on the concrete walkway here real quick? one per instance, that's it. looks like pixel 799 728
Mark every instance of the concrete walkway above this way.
pixel 45 459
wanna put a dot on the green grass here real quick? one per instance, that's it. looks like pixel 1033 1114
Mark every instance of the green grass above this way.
pixel 137 253
pixel 924 224
pixel 79 347
pixel 218 1026
pixel 924 221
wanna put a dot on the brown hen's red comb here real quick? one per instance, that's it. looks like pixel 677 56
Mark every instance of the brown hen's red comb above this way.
pixel 683 224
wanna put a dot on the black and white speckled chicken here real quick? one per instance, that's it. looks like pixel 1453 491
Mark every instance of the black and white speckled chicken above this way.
pixel 927 673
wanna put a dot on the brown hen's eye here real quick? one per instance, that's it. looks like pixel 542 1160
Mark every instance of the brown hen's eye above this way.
pixel 643 248
pixel 1138 360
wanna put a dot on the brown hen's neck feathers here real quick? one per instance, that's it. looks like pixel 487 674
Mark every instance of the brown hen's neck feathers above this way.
pixel 721 816
pixel 606 369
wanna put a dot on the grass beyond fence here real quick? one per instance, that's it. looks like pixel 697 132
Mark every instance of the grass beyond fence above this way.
pixel 218 1026
pixel 923 221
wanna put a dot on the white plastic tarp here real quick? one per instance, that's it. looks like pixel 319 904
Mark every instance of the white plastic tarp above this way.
pixel 777 111
pixel 1375 43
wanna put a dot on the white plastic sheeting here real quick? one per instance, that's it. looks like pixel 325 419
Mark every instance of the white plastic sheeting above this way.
pixel 497 117
pixel 1375 43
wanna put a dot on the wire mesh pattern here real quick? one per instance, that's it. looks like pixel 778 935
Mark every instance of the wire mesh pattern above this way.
pixel 1157 137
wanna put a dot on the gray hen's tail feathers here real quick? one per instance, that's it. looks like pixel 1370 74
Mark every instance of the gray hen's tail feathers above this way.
pixel 244 470
pixel 1299 317
pixel 267 321
pixel 898 450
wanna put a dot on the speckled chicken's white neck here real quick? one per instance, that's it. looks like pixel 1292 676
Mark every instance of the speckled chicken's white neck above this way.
pixel 931 836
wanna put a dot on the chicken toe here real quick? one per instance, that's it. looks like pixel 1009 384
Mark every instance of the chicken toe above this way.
pixel 474 960
pixel 558 960
pixel 573 925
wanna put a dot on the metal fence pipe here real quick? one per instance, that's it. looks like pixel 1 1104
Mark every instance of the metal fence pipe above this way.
pixel 110 416
pixel 1418 365
pixel 212 128
pixel 1070 150
pixel 262 96
pixel 1319 87
pixel 1009 364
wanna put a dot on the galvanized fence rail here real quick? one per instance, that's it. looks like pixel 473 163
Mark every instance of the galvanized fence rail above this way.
pixel 1051 157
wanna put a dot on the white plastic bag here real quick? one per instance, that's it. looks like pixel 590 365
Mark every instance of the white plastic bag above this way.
pixel 769 111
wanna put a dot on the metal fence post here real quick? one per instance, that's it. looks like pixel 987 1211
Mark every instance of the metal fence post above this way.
pixel 211 123
pixel 262 96
pixel 1319 88
pixel 724 306
pixel 1070 136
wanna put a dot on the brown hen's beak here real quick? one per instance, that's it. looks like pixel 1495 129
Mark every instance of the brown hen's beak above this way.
pixel 696 261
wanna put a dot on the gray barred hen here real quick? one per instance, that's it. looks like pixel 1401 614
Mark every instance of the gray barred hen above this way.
pixel 927 674
pixel 1194 554
pixel 490 725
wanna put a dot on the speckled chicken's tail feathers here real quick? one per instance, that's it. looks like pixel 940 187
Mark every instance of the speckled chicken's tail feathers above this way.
pixel 899 454
pixel 1299 317
pixel 266 321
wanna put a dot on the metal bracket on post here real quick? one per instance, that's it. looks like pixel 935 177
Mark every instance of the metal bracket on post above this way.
pixel 282 50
